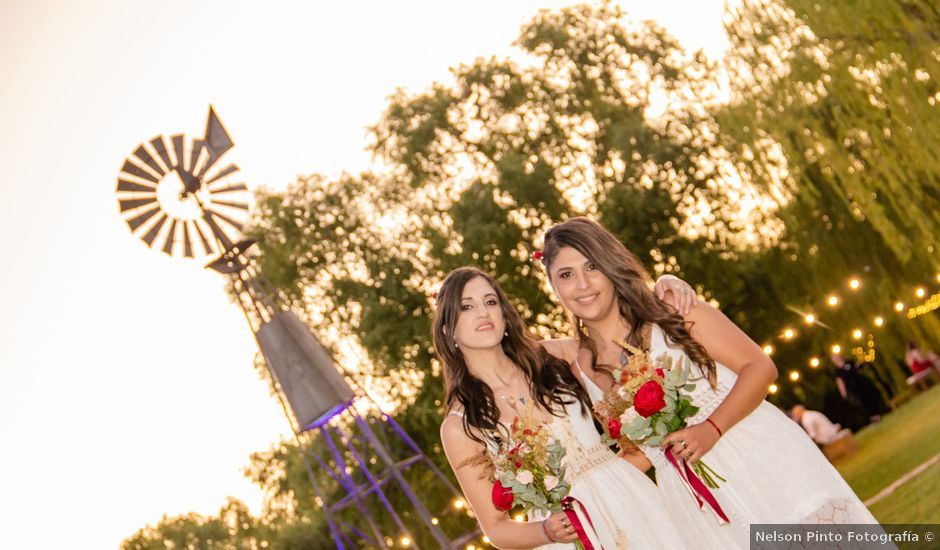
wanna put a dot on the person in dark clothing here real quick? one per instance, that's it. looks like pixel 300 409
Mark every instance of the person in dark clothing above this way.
pixel 855 386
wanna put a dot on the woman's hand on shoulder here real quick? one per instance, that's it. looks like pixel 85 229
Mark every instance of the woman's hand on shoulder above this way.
pixel 676 293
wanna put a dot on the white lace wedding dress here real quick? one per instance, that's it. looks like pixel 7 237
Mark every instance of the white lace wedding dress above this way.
pixel 774 471
pixel 624 505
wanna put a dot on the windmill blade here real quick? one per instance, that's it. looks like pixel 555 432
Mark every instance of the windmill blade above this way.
pixel 140 219
pixel 217 231
pixel 134 170
pixel 205 242
pixel 238 205
pixel 230 169
pixel 234 223
pixel 198 145
pixel 130 204
pixel 159 146
pixel 187 242
pixel 168 244
pixel 229 188
pixel 144 155
pixel 124 185
pixel 152 234
pixel 178 151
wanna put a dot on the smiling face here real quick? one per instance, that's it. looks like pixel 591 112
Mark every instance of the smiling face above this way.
pixel 581 287
pixel 480 323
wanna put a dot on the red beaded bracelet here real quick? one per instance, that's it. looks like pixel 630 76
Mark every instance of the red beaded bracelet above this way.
pixel 709 420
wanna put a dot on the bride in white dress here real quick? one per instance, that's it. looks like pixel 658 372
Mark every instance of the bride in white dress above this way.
pixel 493 368
pixel 774 472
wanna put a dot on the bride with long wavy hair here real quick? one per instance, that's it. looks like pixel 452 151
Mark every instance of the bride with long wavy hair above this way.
pixel 775 473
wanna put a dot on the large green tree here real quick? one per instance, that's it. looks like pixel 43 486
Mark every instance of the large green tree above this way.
pixel 811 173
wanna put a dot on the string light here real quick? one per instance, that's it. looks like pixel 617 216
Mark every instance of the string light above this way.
pixel 833 300
pixel 854 284
pixel 768 349
pixel 435 521
pixel 794 375
pixel 814 362
pixel 879 321
pixel 809 318
pixel 920 292
pixel 836 348
pixel 459 503
pixel 772 388
pixel 486 539
pixel 471 547
pixel 519 517
pixel 857 333
pixel 789 333
pixel 899 306
pixel 405 541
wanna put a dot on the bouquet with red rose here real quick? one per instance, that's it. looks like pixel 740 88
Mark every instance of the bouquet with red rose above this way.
pixel 649 402
pixel 529 472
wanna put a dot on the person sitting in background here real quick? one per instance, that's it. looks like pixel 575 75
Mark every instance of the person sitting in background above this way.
pixel 917 360
pixel 819 428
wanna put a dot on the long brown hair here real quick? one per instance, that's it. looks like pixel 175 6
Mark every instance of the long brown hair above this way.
pixel 637 303
pixel 550 380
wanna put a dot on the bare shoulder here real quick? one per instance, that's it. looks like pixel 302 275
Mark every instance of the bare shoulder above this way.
pixel 704 319
pixel 563 348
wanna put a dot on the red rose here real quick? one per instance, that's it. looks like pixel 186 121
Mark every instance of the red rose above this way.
pixel 502 497
pixel 660 373
pixel 613 428
pixel 649 399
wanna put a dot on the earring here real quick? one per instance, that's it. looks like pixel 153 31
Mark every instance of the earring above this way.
pixel 506 333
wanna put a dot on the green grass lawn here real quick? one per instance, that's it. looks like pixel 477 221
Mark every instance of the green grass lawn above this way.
pixel 902 441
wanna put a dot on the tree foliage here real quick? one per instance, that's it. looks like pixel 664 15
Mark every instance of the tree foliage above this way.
pixel 768 180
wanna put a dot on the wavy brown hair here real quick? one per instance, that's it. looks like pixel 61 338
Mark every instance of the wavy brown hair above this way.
pixel 550 380
pixel 637 302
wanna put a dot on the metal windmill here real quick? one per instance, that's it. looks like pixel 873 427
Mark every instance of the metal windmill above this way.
pixel 367 456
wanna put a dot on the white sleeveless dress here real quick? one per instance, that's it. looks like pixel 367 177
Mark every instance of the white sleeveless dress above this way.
pixel 774 471
pixel 625 506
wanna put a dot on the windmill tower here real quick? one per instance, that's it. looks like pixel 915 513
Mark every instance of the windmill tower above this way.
pixel 175 194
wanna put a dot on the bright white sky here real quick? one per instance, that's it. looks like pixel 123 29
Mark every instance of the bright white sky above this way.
pixel 127 389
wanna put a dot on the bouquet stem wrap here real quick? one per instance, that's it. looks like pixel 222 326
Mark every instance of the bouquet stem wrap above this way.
pixel 695 486
pixel 581 521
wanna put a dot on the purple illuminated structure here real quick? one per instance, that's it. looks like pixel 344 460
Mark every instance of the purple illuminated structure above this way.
pixel 359 470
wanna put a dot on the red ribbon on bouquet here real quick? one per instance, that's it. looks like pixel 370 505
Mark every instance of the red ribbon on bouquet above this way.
pixel 574 516
pixel 698 489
